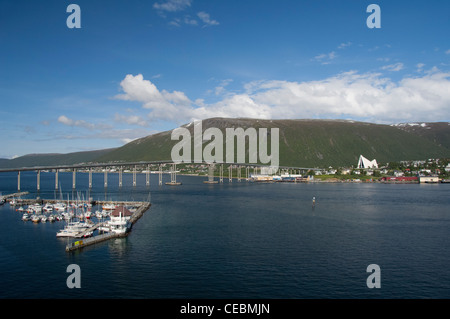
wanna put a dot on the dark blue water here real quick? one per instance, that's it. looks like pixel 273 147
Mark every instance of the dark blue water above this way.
pixel 238 240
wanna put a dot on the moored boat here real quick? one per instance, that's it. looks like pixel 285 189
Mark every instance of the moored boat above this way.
pixel 72 229
pixel 35 219
pixel 109 207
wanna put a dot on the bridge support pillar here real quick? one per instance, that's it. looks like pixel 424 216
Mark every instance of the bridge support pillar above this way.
pixel 160 174
pixel 38 177
pixel 134 176
pixel 239 173
pixel 173 174
pixel 74 179
pixel 211 168
pixel 120 176
pixel 147 176
pixel 56 179
pixel 230 173
pixel 18 181
pixel 106 178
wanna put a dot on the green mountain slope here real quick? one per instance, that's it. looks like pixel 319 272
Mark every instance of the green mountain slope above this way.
pixel 32 160
pixel 307 143
pixel 302 143
pixel 438 132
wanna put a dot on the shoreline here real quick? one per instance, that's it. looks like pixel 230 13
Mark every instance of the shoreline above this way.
pixel 330 180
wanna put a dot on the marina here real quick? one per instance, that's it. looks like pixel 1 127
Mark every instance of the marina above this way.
pixel 123 229
pixel 114 220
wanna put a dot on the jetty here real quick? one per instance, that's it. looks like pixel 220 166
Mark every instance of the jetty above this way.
pixel 143 207
pixel 14 195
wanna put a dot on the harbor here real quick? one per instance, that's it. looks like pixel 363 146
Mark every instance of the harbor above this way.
pixel 111 219
pixel 112 234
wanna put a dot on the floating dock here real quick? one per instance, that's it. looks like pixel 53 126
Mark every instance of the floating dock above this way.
pixel 143 207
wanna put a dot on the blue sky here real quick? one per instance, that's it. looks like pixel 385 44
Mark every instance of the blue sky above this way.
pixel 139 67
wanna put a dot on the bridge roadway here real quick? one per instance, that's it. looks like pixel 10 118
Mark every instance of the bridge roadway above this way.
pixel 127 164
pixel 160 164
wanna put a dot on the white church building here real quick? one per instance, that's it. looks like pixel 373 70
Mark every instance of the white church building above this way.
pixel 365 163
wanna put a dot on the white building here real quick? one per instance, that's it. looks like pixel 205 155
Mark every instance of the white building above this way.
pixel 428 179
pixel 365 163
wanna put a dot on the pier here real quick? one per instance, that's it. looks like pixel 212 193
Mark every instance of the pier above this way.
pixel 6 197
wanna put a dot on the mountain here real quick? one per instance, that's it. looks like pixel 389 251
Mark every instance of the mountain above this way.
pixel 438 132
pixel 312 143
pixel 32 160
pixel 302 143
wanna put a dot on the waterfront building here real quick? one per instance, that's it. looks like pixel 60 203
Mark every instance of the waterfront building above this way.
pixel 429 179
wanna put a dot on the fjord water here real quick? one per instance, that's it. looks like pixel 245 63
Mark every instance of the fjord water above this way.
pixel 238 240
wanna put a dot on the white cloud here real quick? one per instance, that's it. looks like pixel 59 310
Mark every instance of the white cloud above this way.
pixel 175 22
pixel 220 89
pixel 325 58
pixel 368 96
pixel 393 67
pixel 344 45
pixel 130 119
pixel 163 105
pixel 79 123
pixel 447 52
pixel 206 19
pixel 127 140
pixel 173 5
pixel 188 20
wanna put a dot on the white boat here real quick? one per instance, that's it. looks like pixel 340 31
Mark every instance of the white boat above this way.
pixel 66 233
pixel 25 217
pixel 72 229
pixel 51 218
pixel 35 219
pixel 60 207
pixel 104 229
pixel 35 208
pixel 109 207
pixel 88 234
pixel 120 220
pixel 43 218
pixel 48 207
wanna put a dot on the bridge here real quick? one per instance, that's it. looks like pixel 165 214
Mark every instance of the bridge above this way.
pixel 147 164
